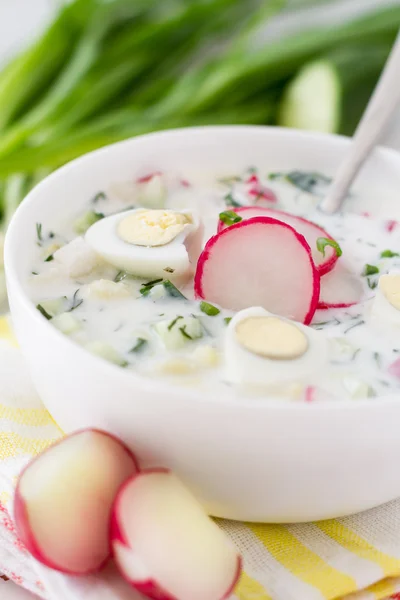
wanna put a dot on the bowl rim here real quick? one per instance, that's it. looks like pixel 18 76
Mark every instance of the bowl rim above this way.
pixel 163 387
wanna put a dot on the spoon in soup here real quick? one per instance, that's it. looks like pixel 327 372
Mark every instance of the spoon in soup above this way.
pixel 377 115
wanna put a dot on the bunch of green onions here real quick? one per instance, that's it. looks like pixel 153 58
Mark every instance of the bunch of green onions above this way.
pixel 106 70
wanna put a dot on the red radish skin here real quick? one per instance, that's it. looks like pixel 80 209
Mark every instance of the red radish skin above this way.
pixel 307 228
pixel 340 289
pixel 148 177
pixel 394 369
pixel 96 544
pixel 121 540
pixel 220 281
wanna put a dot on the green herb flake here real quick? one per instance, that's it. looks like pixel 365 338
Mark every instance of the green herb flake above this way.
pixel 370 270
pixel 174 322
pixel 44 312
pixel 389 254
pixel 209 309
pixel 39 232
pixel 378 359
pixel 99 196
pixel 34 273
pixel 229 217
pixel 184 333
pixel 372 284
pixel 49 258
pixel 168 270
pixel 322 243
pixel 76 302
pixel 227 320
pixel 139 346
pixel 230 201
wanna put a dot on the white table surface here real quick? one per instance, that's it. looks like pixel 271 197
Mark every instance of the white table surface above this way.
pixel 20 20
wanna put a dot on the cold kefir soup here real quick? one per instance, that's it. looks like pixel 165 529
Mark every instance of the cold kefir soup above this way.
pixel 240 285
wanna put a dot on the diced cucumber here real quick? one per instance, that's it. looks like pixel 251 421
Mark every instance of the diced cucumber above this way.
pixel 53 307
pixel 107 352
pixel 357 388
pixel 66 323
pixel 153 193
pixel 176 333
pixel 83 223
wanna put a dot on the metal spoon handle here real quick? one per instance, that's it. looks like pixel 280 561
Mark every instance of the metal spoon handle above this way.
pixel 377 115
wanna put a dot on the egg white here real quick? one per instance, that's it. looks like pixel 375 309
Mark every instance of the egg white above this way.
pixel 244 367
pixel 174 260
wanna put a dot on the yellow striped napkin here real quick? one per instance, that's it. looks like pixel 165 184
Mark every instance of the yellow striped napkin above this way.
pixel 355 557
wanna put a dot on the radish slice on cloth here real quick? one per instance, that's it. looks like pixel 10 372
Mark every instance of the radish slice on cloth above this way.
pixel 166 546
pixel 259 262
pixel 310 230
pixel 64 499
pixel 340 288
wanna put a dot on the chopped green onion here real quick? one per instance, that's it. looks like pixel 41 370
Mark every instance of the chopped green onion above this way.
pixel 227 320
pixel 147 287
pixel 44 312
pixel 174 322
pixel 209 309
pixel 370 270
pixel 49 258
pixel 229 217
pixel 172 290
pixel 389 254
pixel 139 346
pixel 371 284
pixel 322 243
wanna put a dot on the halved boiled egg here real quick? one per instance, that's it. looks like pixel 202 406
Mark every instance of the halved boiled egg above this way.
pixel 264 349
pixel 149 243
pixel 386 305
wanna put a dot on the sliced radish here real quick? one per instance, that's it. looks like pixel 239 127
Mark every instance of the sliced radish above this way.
pixel 340 288
pixel 166 546
pixel 64 498
pixel 310 230
pixel 259 262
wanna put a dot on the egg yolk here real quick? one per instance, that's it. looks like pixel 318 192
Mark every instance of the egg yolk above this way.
pixel 390 287
pixel 271 337
pixel 152 227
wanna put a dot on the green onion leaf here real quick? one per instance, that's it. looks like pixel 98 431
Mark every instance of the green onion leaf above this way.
pixel 322 243
pixel 227 320
pixel 389 254
pixel 209 309
pixel 147 287
pixel 229 217
pixel 370 270
pixel 49 258
pixel 371 284
pixel 99 196
pixel 76 302
pixel 120 276
pixel 44 312
pixel 139 346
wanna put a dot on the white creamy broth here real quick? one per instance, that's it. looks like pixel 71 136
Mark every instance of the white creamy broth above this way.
pixel 101 306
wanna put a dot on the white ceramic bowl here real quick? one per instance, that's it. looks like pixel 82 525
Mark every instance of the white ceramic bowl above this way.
pixel 259 461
